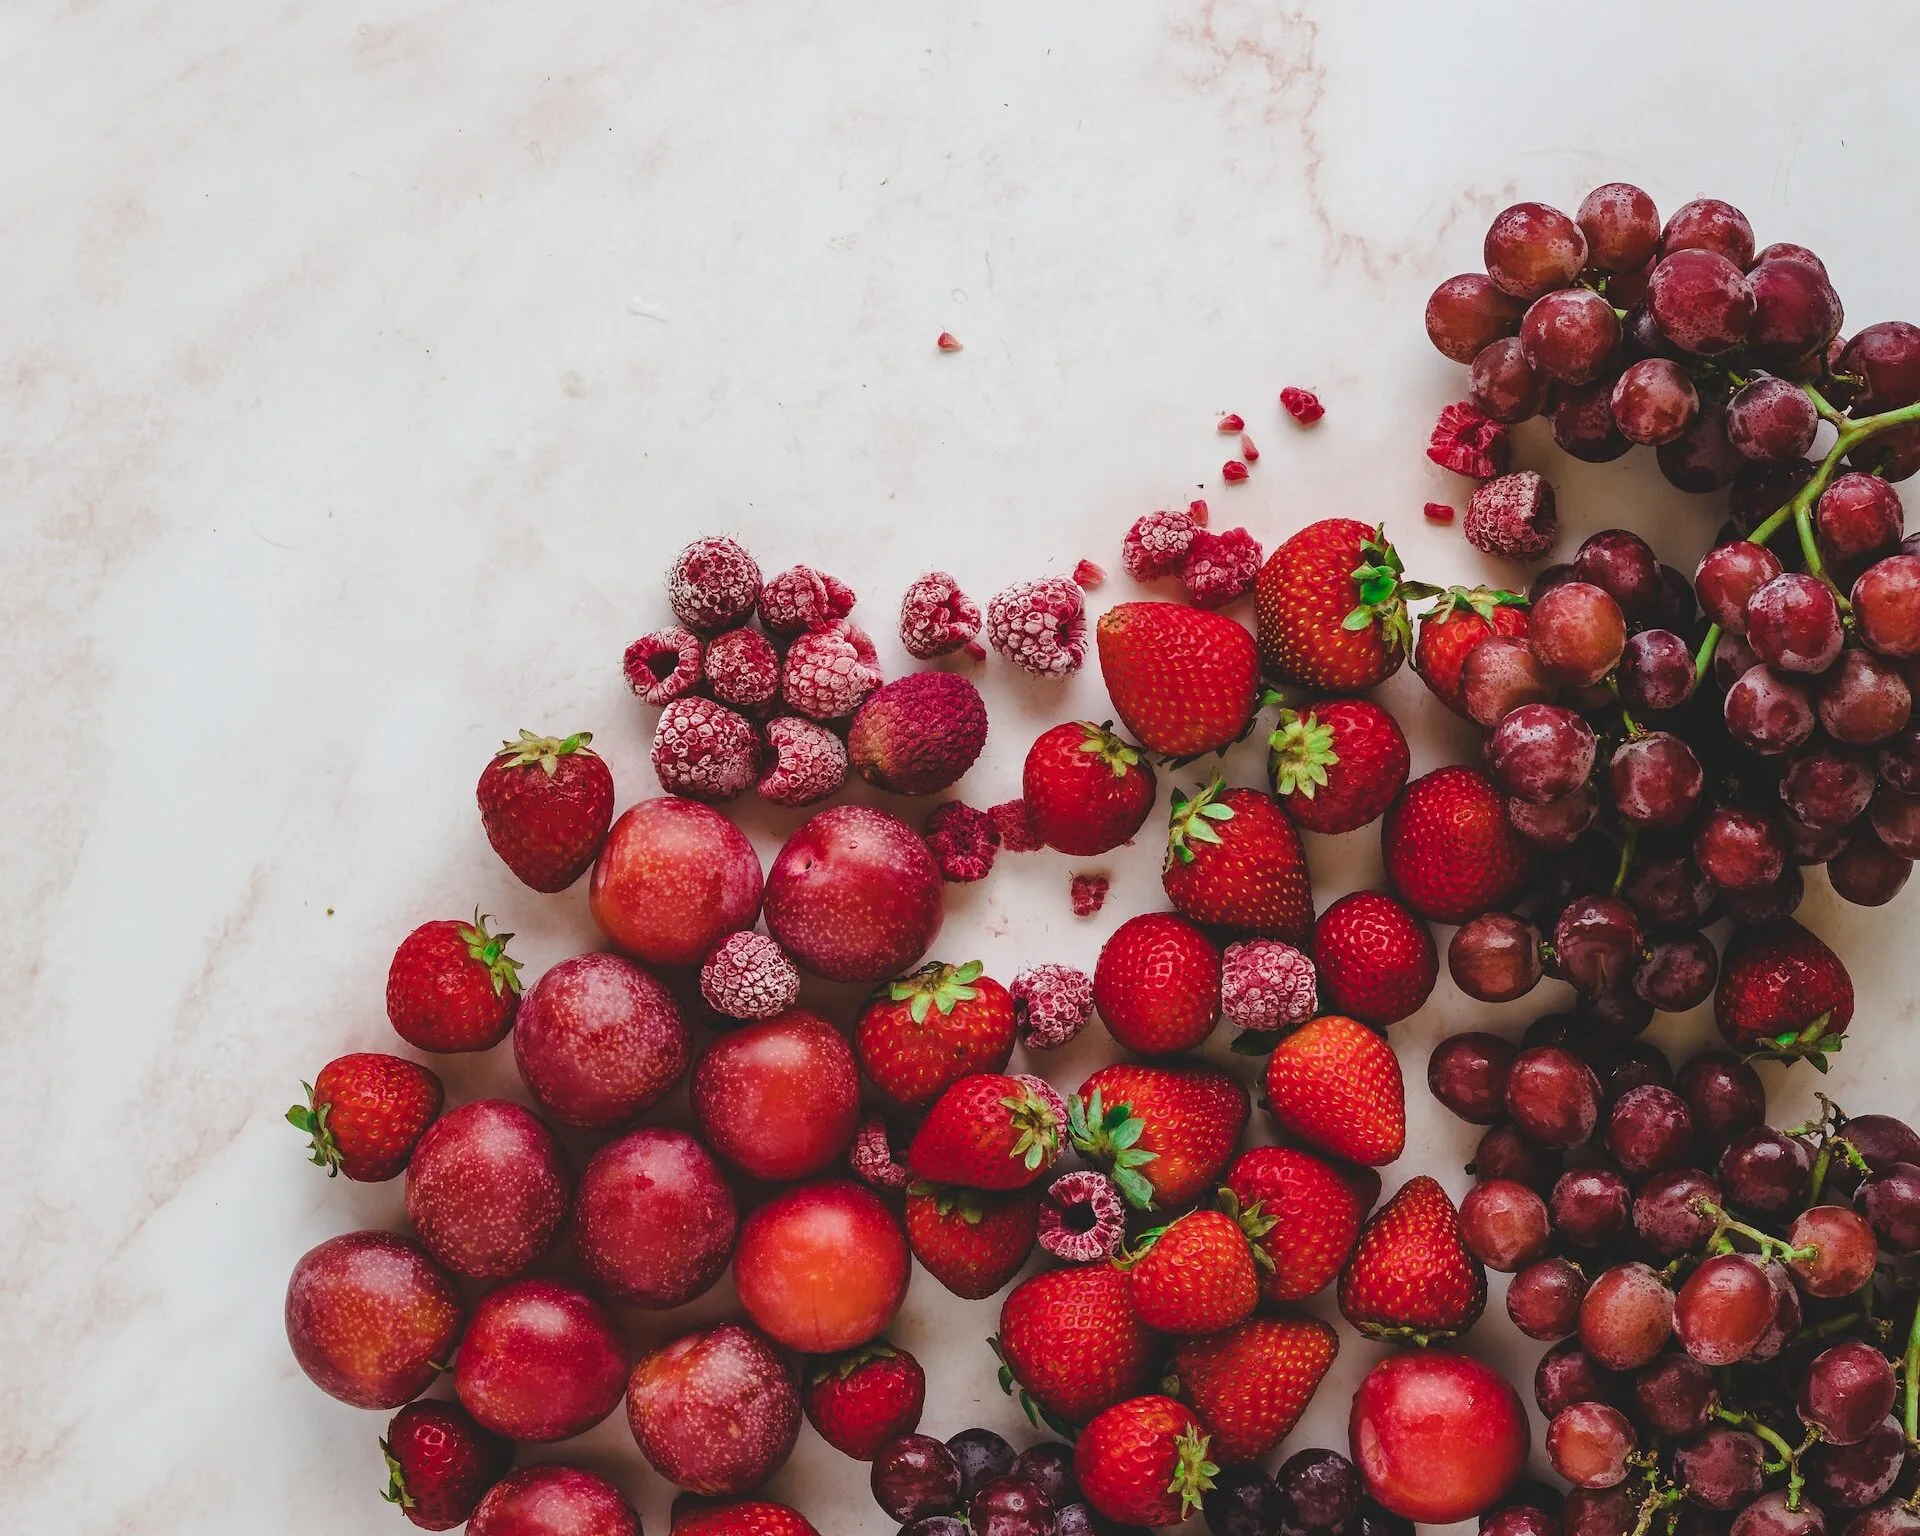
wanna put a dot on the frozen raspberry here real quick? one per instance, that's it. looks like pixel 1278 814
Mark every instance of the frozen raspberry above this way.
pixel 1303 405
pixel 1220 566
pixel 963 841
pixel 919 733
pixel 704 750
pixel 742 668
pixel 1051 1004
pixel 830 672
pixel 1157 543
pixel 713 583
pixel 873 1158
pixel 748 976
pixel 1265 984
pixel 801 598
pixel 660 667
pixel 1082 1217
pixel 1045 1092
pixel 809 762
pixel 1512 517
pixel 1469 442
pixel 936 617
pixel 1088 894
pixel 1040 626
pixel 1013 822
pixel 1087 576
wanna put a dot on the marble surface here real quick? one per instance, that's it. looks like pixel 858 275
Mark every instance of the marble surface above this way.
pixel 363 366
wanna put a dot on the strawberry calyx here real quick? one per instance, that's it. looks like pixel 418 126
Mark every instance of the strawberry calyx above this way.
pixel 1193 1474
pixel 936 986
pixel 1404 1333
pixel 1037 1415
pixel 490 949
pixel 1192 818
pixel 543 750
pixel 949 1199
pixel 1812 1044
pixel 1037 1127
pixel 845 1365
pixel 1108 1136
pixel 1299 754
pixel 1383 586
pixel 1109 748
pixel 310 1119
pixel 1480 600
pixel 1252 1220
pixel 396 1490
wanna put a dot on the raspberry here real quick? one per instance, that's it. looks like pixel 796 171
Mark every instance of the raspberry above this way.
pixel 872 1156
pixel 1265 984
pixel 1082 1217
pixel 809 762
pixel 1469 442
pixel 919 733
pixel 1220 566
pixel 703 750
pixel 1013 823
pixel 1512 517
pixel 801 598
pixel 1228 423
pixel 663 665
pixel 1438 512
pixel 748 976
pixel 1233 471
pixel 936 617
pixel 1087 575
pixel 713 583
pixel 1088 894
pixel 829 672
pixel 742 668
pixel 1157 543
pixel 1040 626
pixel 962 841
pixel 1303 405
pixel 1051 1004
pixel 1247 451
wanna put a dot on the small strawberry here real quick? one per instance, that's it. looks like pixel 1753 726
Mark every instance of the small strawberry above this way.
pixel 1336 1085
pixel 1182 679
pixel 1235 861
pixel 755 1517
pixel 440 1463
pixel 971 1242
pixel 1377 960
pixel 1071 1343
pixel 1163 1132
pixel 1251 1383
pixel 1086 789
pixel 1411 1276
pixel 1332 610
pixel 1316 1216
pixel 865 1398
pixel 365 1112
pixel 1449 849
pixel 453 987
pixel 1453 626
pixel 1144 1462
pixel 1198 1274
pixel 1783 993
pixel 987 1131
pixel 1338 765
pixel 930 1029
pixel 546 803
pixel 1157 984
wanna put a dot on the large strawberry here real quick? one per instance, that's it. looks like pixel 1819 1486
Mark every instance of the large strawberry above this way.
pixel 546 803
pixel 1071 1343
pixel 1783 993
pixel 1144 1462
pixel 1250 1383
pixel 1315 1215
pixel 1332 610
pixel 863 1399
pixel 1450 851
pixel 988 1131
pixel 756 1517
pixel 1086 790
pixel 1337 764
pixel 1411 1276
pixel 1234 860
pixel 365 1112
pixel 452 986
pixel 970 1241
pixel 1157 984
pixel 440 1463
pixel 1198 1274
pixel 1377 960
pixel 1182 679
pixel 1336 1085
pixel 1453 626
pixel 1164 1132
pixel 930 1029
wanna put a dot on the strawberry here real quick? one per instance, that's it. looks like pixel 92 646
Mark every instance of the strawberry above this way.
pixel 1339 765
pixel 863 1399
pixel 1234 860
pixel 1453 626
pixel 1157 984
pixel 1144 1462
pixel 987 1131
pixel 1251 1383
pixel 1182 679
pixel 1070 1341
pixel 755 1517
pixel 453 987
pixel 1316 1215
pixel 1450 851
pixel 365 1112
pixel 1164 1132
pixel 1411 1276
pixel 440 1463
pixel 930 1029
pixel 1336 1085
pixel 1086 789
pixel 1783 993
pixel 1377 960
pixel 1197 1274
pixel 1331 606
pixel 546 803
pixel 972 1243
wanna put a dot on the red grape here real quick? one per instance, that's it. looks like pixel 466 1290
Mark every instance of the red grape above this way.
pixel 1667 1212
pixel 1703 457
pixel 1532 249
pixel 1887 357
pixel 913 1476
pixel 1864 700
pixel 1899 761
pixel 1827 786
pixel 1857 518
pixel 1701 301
pixel 1733 658
pixel 1795 310
pixel 1468 1074
pixel 1708 224
pixel 1504 1225
pixel 1722 1468
pixel 1569 334
pixel 1626 1317
pixel 1650 1130
pixel 1768 903
pixel 1786 250
pixel 1668 891
pixel 1635 1064
pixel 1771 421
pixel 1553 1096
pixel 1591 1206
pixel 1578 632
pixel 1866 872
pixel 1653 401
pixel 1896 821
pixel 1467 313
pixel 1567 1374
pixel 1738 849
pixel 1678 972
pixel 1500 674
pixel 1656 671
pixel 1622 565
pixel 1766 1172
pixel 1724 1094
pixel 1540 752
pixel 1674 1394
pixel 1886 606
pixel 1786 1313
pixel 1793 621
pixel 1810 845
pixel 1583 423
pixel 1503 1153
pixel 1890 1201
pixel 1621 224
pixel 1854 1476
pixel 1504 384
pixel 1766 712
pixel 1544 1299
pixel 1728 575
pixel 1494 958
pixel 1847 1391
pixel 1844 1249
pixel 1656 779
pixel 1557 825
pixel 1588 1444
pixel 1601 1511
pixel 1723 1309
pixel 1596 941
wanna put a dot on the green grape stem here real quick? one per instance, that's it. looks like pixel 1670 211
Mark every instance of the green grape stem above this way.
pixel 1910 1416
pixel 1724 1224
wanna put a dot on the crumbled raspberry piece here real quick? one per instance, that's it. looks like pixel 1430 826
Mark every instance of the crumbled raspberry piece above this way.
pixel 1013 821
pixel 1045 1092
pixel 809 762
pixel 748 976
pixel 829 672
pixel 1220 566
pixel 703 750
pixel 973 650
pixel 1051 1004
pixel 1303 405
pixel 1438 512
pixel 662 666
pixel 1247 451
pixel 742 668
pixel 946 341
pixel 1040 626
pixel 1197 510
pixel 1229 423
pixel 1512 517
pixel 1082 1217
pixel 1087 575
pixel 1265 984
pixel 872 1156
pixel 801 598
pixel 1233 471
pixel 936 617
pixel 963 841
pixel 1469 442
pixel 713 583
pixel 1088 893
pixel 1156 544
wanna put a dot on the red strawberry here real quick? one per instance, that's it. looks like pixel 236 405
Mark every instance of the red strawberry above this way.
pixel 1086 789
pixel 1182 679
pixel 546 803
pixel 1783 993
pixel 1411 1276
pixel 1070 1341
pixel 863 1399
pixel 931 1029
pixel 1144 1462
pixel 987 1131
pixel 1331 605
pixel 1157 984
pixel 1377 960
pixel 1453 626
pixel 1234 860
pixel 1197 1274
pixel 1337 766
pixel 453 987
pixel 756 1517
pixel 1450 851
pixel 1336 1085
pixel 365 1112
pixel 972 1243
pixel 1250 1384
pixel 1189 1121
pixel 440 1463
pixel 1316 1216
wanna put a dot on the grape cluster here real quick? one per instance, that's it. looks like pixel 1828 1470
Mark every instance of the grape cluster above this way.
pixel 976 1485
pixel 1314 1493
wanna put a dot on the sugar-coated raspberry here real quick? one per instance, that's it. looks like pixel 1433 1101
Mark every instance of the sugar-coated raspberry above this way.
pixel 873 1158
pixel 1087 576
pixel 1156 544
pixel 829 672
pixel 1088 894
pixel 1220 566
pixel 936 617
pixel 1040 626
pixel 1469 442
pixel 748 976
pixel 963 841
pixel 1303 405
pixel 1265 984
pixel 809 762
pixel 662 666
pixel 1512 517
pixel 713 583
pixel 801 598
pixel 742 668
pixel 1045 1092
pixel 703 750
pixel 1082 1217
pixel 1051 1004
pixel 1013 821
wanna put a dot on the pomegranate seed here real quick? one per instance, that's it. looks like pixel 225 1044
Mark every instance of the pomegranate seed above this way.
pixel 1088 575
pixel 1230 423
pixel 1197 510
pixel 1233 471
pixel 1247 451
pixel 1303 405
pixel 1438 512
pixel 948 342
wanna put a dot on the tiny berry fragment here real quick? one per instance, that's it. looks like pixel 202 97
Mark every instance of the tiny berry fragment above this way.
pixel 1087 575
pixel 1197 510
pixel 1303 405
pixel 1438 512
pixel 1051 1005
pixel 962 840
pixel 1230 423
pixel 1247 451
pixel 1469 442
pixel 1013 821
pixel 1156 544
pixel 1233 471
pixel 1089 894
pixel 947 342
pixel 1082 1218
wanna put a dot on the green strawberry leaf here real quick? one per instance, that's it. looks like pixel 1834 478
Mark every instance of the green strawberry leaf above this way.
pixel 917 1009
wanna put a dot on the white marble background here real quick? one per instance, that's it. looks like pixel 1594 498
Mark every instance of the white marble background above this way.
pixel 362 365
